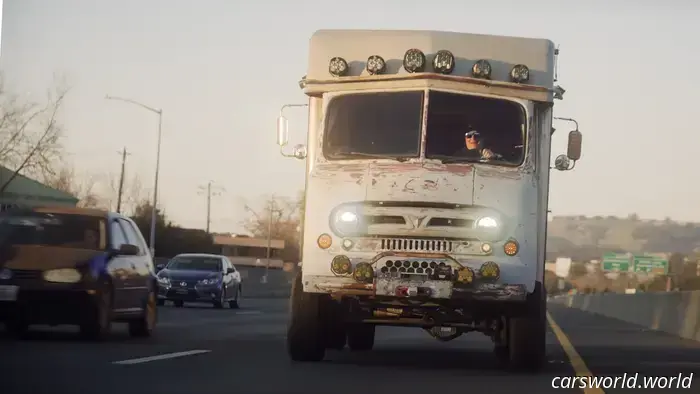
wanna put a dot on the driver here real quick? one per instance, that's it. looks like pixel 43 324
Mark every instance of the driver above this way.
pixel 472 147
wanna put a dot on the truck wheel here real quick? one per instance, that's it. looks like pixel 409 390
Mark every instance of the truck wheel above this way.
pixel 527 335
pixel 305 332
pixel 361 337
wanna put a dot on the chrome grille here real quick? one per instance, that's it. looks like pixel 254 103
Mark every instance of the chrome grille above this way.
pixel 416 245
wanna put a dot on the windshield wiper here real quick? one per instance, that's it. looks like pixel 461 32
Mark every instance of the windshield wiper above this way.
pixel 340 155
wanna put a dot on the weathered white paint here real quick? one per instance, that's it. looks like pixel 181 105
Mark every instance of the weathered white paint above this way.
pixel 519 194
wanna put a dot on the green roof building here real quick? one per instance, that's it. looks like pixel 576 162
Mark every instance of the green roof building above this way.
pixel 26 192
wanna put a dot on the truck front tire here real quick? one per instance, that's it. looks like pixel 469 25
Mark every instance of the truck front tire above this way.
pixel 305 332
pixel 527 335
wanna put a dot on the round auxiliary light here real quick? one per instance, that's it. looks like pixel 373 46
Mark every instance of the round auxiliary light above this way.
pixel 363 272
pixel 490 270
pixel 444 62
pixel 414 61
pixel 465 275
pixel 482 69
pixel 520 73
pixel 486 247
pixel 511 247
pixel 375 65
pixel 324 241
pixel 338 67
pixel 341 265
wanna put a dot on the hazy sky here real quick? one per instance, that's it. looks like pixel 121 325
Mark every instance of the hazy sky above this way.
pixel 221 69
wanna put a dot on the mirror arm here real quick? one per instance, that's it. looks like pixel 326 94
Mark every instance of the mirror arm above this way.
pixel 285 154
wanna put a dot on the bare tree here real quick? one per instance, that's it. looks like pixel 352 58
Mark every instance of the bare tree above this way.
pixel 82 187
pixel 30 133
pixel 285 214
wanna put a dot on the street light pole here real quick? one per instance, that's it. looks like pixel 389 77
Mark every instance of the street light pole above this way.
pixel 269 238
pixel 154 208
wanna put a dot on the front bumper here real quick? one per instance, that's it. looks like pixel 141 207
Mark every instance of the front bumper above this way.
pixel 47 303
pixel 427 289
pixel 189 293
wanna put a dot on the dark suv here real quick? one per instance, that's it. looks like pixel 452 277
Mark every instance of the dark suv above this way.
pixel 75 266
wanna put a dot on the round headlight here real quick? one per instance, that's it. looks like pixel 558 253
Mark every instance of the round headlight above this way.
pixel 5 274
pixel 482 69
pixel 520 73
pixel 338 67
pixel 444 62
pixel 63 275
pixel 487 222
pixel 414 61
pixel 375 65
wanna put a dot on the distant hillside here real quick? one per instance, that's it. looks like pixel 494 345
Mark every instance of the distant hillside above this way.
pixel 586 238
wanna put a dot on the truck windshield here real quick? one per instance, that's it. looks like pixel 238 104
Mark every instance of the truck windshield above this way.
pixel 374 125
pixel 52 229
pixel 460 126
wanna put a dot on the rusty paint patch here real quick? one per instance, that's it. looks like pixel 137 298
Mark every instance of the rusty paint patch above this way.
pixel 430 185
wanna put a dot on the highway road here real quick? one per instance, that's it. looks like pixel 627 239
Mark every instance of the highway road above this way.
pixel 243 351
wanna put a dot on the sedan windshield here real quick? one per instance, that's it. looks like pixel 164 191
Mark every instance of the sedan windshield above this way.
pixel 195 263
pixel 374 125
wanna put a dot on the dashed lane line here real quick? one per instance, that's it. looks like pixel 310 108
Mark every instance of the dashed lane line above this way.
pixel 159 357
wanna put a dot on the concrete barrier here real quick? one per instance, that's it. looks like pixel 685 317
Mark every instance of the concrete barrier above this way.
pixel 279 282
pixel 676 313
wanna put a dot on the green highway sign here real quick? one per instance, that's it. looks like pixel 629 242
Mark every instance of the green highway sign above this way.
pixel 616 262
pixel 651 264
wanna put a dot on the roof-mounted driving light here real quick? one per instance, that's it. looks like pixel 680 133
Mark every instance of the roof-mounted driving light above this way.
pixel 414 61
pixel 482 69
pixel 375 65
pixel 444 62
pixel 520 73
pixel 338 67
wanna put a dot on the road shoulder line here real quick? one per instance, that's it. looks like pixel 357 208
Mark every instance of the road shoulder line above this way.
pixel 575 359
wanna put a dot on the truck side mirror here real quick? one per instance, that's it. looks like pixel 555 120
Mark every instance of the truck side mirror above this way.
pixel 282 131
pixel 574 146
pixel 562 163
pixel 300 151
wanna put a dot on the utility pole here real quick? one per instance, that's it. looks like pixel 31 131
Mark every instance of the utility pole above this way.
pixel 210 189
pixel 124 153
pixel 269 237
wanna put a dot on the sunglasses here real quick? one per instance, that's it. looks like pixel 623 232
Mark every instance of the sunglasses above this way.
pixel 472 134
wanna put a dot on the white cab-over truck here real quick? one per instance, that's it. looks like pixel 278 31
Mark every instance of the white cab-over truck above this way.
pixel 427 183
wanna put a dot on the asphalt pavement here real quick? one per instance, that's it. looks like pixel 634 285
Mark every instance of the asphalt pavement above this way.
pixel 198 349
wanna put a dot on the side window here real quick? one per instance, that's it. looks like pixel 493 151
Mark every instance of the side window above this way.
pixel 132 236
pixel 231 265
pixel 117 235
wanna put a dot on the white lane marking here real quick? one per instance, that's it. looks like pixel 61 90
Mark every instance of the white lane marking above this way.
pixel 160 357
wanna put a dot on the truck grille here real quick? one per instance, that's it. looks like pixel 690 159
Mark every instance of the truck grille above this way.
pixel 416 245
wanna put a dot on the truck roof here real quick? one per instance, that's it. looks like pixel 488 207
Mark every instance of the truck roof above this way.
pixel 502 52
